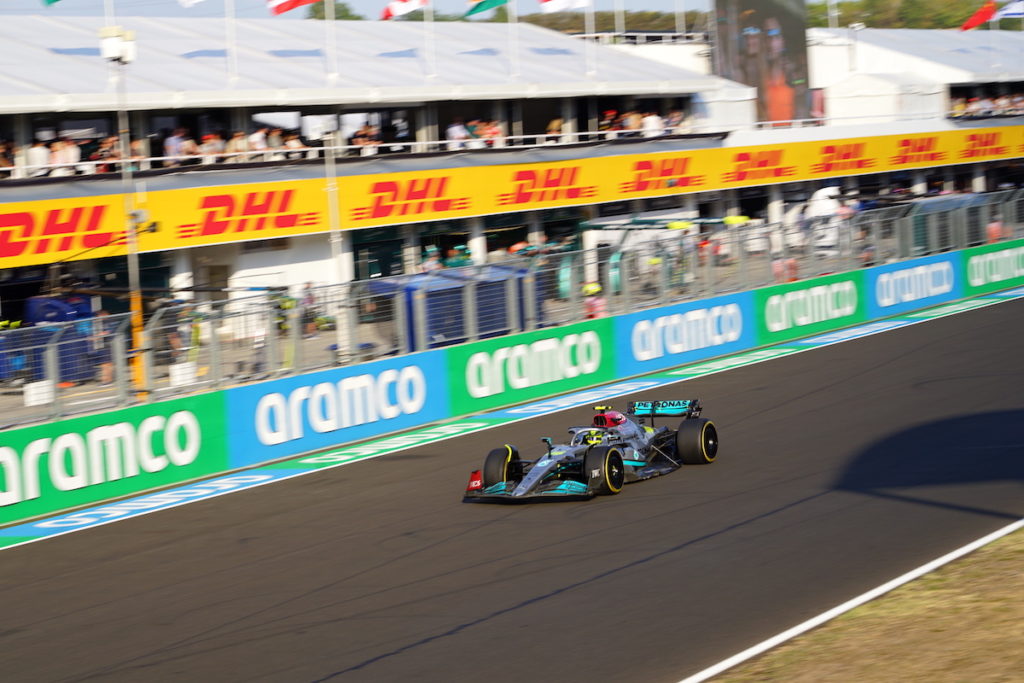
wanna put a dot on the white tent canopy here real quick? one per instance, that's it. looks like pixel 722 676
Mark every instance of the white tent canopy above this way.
pixel 52 63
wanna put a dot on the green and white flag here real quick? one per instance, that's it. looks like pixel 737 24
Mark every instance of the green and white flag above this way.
pixel 50 2
pixel 477 6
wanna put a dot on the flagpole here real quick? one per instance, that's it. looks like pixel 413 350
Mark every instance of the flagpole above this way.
pixel 232 41
pixel 620 17
pixel 431 47
pixel 681 18
pixel 591 46
pixel 332 43
pixel 513 38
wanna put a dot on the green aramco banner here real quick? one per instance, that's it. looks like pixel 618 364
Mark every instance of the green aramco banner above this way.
pixel 800 309
pixel 74 462
pixel 509 370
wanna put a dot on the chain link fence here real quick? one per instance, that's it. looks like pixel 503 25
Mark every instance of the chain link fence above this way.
pixel 53 370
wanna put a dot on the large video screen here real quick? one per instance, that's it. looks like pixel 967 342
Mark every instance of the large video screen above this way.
pixel 762 43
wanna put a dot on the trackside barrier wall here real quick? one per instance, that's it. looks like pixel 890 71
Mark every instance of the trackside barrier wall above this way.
pixel 48 468
pixel 303 413
pixel 74 462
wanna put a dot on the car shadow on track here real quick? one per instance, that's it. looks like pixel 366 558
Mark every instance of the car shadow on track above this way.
pixel 987 447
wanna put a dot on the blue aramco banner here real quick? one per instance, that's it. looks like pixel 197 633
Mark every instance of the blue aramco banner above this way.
pixel 683 333
pixel 308 412
pixel 912 285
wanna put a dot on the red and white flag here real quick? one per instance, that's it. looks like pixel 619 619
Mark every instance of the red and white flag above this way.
pixel 987 11
pixel 397 8
pixel 282 6
pixel 549 6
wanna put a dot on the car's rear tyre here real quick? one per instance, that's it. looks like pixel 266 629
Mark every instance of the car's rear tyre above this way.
pixel 500 465
pixel 697 441
pixel 603 471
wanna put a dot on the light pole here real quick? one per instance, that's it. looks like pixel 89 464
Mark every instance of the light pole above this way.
pixel 117 46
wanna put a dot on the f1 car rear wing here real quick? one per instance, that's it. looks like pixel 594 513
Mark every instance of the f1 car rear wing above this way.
pixel 681 408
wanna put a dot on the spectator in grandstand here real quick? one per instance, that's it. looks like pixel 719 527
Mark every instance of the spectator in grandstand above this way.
pixel 59 159
pixel 594 305
pixel 632 124
pixel 236 147
pixel 458 256
pixel 211 148
pixel 652 125
pixel 994 229
pixel 456 134
pixel 6 157
pixel 37 158
pixel 493 134
pixel 258 139
pixel 293 143
pixel 309 312
pixel 174 147
pixel 107 151
pixel 102 338
pixel 674 122
pixel 431 259
pixel 275 140
pixel 554 130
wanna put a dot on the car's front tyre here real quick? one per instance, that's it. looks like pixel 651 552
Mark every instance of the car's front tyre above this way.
pixel 603 470
pixel 500 465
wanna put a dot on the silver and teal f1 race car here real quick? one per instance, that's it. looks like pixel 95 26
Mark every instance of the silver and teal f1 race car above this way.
pixel 600 458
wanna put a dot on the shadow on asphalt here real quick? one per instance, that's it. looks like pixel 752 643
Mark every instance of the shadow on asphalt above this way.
pixel 988 447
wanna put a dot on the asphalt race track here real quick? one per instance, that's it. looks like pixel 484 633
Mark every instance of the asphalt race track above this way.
pixel 840 469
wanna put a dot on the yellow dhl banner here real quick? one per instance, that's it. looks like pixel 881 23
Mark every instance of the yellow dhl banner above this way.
pixel 45 231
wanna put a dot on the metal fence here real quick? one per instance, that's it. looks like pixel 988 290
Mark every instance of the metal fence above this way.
pixel 54 370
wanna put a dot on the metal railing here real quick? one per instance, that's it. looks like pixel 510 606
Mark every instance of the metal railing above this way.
pixel 53 370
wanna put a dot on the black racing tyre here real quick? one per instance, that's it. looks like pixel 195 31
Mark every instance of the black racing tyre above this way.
pixel 500 465
pixel 603 470
pixel 697 441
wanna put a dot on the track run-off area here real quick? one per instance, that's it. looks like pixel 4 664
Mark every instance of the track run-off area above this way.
pixel 845 461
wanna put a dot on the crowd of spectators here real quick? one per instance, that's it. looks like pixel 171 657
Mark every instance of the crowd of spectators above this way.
pixel 647 124
pixel 66 156
pixel 475 134
pixel 987 107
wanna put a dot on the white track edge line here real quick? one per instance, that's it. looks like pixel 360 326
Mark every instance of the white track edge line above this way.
pixel 802 628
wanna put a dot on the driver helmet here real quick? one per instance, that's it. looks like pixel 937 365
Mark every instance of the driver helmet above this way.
pixel 593 437
pixel 609 419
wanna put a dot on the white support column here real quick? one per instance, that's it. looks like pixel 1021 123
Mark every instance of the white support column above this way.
pixel 516 124
pixel 979 183
pixel 732 204
pixel 948 180
pixel 535 229
pixel 919 183
pixel 346 265
pixel 426 124
pixel 568 114
pixel 477 241
pixel 182 274
pixel 411 250
pixel 690 208
pixel 776 205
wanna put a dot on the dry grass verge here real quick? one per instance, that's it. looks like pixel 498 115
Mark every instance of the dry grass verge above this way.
pixel 963 623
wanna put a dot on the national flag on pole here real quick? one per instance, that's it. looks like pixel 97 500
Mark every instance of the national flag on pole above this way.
pixel 397 8
pixel 477 6
pixel 549 6
pixel 282 6
pixel 50 2
pixel 987 11
pixel 1014 10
